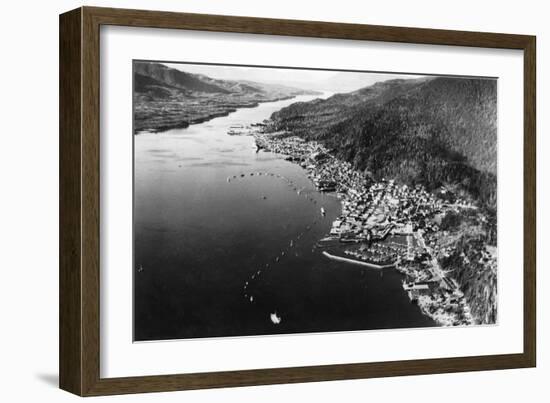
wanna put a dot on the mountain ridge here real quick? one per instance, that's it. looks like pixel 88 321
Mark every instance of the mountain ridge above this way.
pixel 167 98
pixel 431 131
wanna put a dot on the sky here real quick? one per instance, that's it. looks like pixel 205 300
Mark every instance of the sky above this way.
pixel 337 81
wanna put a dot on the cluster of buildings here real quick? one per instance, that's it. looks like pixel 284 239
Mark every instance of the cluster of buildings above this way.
pixel 295 148
pixel 384 224
pixel 446 308
pixel 437 295
pixel 381 253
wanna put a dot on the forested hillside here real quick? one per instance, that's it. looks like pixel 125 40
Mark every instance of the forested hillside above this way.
pixel 432 131
pixel 167 98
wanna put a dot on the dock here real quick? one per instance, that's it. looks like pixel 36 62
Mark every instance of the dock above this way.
pixel 358 262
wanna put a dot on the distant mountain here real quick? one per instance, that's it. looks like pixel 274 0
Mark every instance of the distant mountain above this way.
pixel 431 131
pixel 175 78
pixel 167 98
pixel 343 82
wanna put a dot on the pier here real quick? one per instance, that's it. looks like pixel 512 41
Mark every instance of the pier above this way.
pixel 358 262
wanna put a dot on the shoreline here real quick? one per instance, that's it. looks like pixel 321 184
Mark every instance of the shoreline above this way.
pixel 183 124
pixel 364 201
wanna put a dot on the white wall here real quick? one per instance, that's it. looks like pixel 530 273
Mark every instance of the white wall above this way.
pixel 29 201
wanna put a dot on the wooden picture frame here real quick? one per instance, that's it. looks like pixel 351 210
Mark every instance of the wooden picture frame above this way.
pixel 79 348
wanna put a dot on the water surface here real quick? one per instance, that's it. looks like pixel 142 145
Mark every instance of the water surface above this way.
pixel 217 258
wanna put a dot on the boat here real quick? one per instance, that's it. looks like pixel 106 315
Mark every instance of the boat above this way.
pixel 323 212
pixel 276 319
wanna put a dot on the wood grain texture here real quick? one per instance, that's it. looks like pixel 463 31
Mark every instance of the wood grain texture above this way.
pixel 530 203
pixel 317 29
pixel 80 196
pixel 70 273
pixel 90 202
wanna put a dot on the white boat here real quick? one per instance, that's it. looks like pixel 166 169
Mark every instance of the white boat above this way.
pixel 275 318
pixel 323 212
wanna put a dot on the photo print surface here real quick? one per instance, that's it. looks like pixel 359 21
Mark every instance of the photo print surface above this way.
pixel 282 200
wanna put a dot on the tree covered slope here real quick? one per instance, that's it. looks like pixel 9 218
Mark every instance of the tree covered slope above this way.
pixel 167 98
pixel 432 131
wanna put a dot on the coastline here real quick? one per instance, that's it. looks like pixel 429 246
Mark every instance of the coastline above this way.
pixel 165 121
pixel 437 295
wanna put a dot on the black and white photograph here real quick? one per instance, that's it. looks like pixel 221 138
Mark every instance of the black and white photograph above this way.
pixel 272 200
pixel 268 202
